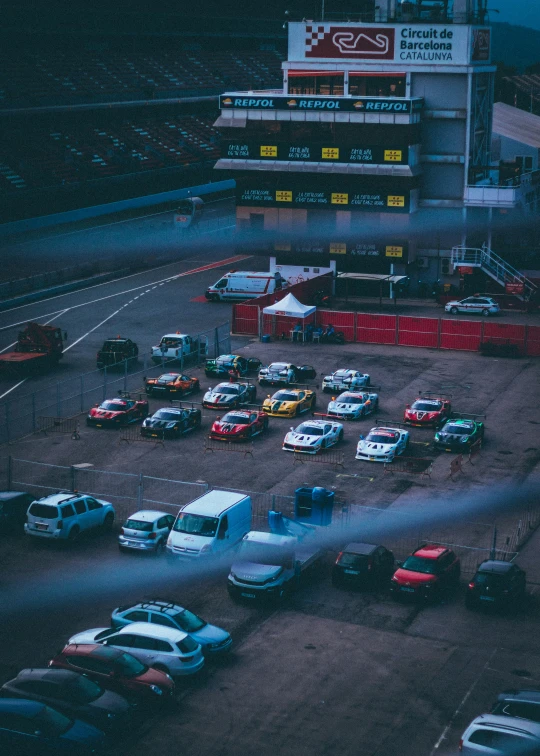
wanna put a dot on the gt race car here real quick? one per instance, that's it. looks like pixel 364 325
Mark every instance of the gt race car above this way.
pixel 229 395
pixel 289 402
pixel 353 405
pixel 283 373
pixel 239 425
pixel 113 413
pixel 313 436
pixel 382 444
pixel 345 379
pixel 225 363
pixel 459 434
pixel 428 409
pixel 172 384
pixel 171 422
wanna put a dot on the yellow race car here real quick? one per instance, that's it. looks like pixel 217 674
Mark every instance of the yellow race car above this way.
pixel 289 402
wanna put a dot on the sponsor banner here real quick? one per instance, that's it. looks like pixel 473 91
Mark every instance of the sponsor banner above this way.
pixel 312 102
pixel 350 256
pixel 445 44
pixel 514 288
pixel 315 153
pixel 327 198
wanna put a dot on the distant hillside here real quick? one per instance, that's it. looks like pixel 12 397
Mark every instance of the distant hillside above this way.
pixel 516 45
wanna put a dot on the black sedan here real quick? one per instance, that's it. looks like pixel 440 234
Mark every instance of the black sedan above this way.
pixel 496 583
pixel 363 565
pixel 171 422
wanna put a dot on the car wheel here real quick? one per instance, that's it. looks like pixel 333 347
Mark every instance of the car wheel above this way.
pixel 108 522
pixel 485 313
pixel 454 310
pixel 74 534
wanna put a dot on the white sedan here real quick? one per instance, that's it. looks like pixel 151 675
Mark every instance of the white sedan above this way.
pixel 382 444
pixel 313 436
pixel 353 405
pixel 345 379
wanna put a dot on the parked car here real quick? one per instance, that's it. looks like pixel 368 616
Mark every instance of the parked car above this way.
pixel 239 425
pixel 363 565
pixel 171 422
pixel 382 444
pixel 146 531
pixel 73 694
pixel 493 734
pixel 313 436
pixel 522 704
pixel 289 402
pixel 284 373
pixel 426 572
pixel 13 508
pixel 473 305
pixel 226 364
pixel 345 379
pixel 116 351
pixel 229 395
pixel 353 405
pixel 172 385
pixel 28 728
pixel 428 410
pixel 496 583
pixel 114 669
pixel 113 413
pixel 171 651
pixel 64 516
pixel 459 434
pixel 213 640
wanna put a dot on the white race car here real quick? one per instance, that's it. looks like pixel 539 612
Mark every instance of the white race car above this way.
pixel 277 373
pixel 382 444
pixel 353 405
pixel 313 436
pixel 345 380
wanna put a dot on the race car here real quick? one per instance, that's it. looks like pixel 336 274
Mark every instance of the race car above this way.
pixel 239 425
pixel 345 380
pixel 284 373
pixel 459 434
pixel 289 402
pixel 428 410
pixel 229 395
pixel 313 436
pixel 353 405
pixel 227 363
pixel 171 422
pixel 172 384
pixel 113 413
pixel 382 444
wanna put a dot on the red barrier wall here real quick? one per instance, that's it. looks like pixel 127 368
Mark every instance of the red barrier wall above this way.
pixel 245 319
pixel 461 334
pixel 420 332
pixel 342 321
pixel 505 333
pixel 533 341
pixel 376 329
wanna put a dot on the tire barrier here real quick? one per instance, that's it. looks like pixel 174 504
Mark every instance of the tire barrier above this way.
pixel 68 425
pixel 422 466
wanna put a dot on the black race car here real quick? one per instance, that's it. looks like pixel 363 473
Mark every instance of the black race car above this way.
pixel 459 434
pixel 116 351
pixel 229 395
pixel 230 364
pixel 171 422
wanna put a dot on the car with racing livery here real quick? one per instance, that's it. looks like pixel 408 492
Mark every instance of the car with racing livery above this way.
pixel 113 413
pixel 172 384
pixel 353 405
pixel 459 434
pixel 227 364
pixel 239 425
pixel 382 444
pixel 284 373
pixel 229 395
pixel 345 379
pixel 171 422
pixel 313 436
pixel 289 402
pixel 428 410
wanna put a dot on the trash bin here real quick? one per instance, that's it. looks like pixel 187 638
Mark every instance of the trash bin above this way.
pixel 314 505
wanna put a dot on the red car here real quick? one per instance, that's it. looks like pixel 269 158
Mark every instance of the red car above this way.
pixel 239 425
pixel 116 670
pixel 426 572
pixel 428 410
pixel 113 413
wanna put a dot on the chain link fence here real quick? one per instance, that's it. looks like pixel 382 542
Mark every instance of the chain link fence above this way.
pixel 19 416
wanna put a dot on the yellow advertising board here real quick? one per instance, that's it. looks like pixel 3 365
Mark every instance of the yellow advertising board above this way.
pixel 268 150
pixel 394 252
pixel 337 248
pixel 392 156
pixel 339 199
pixel 395 200
pixel 330 153
pixel 283 196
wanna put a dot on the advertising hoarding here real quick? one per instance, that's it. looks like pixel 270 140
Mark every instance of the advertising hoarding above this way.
pixel 312 102
pixel 237 149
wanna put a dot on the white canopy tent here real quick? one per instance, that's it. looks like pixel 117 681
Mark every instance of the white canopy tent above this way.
pixel 290 307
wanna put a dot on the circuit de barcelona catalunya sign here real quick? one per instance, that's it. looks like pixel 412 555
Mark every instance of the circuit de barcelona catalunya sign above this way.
pixel 351 104
pixel 449 44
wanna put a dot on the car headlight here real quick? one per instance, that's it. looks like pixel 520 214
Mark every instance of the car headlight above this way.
pixel 111 716
pixel 463 440
pixel 156 689
pixel 437 436
pixel 170 425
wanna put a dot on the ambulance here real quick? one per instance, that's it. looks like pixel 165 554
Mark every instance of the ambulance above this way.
pixel 245 284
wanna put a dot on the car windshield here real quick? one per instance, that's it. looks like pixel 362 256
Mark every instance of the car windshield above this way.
pixel 353 560
pixel 168 377
pixel 129 666
pixel 114 406
pixel 263 553
pixel 310 430
pixel 285 396
pixel 188 645
pixel 113 346
pixel 427 406
pixel 235 419
pixel 188 622
pixel 275 367
pixel 458 430
pixel 145 527
pixel 228 390
pixel 196 524
pixel 170 343
pixel 82 691
pixel 419 564
pixel 489 578
pixel 382 438
pixel 44 511
pixel 350 399
pixel 51 722
pixel 166 415
pixel 105 633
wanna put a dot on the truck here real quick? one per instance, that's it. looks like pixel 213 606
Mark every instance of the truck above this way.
pixel 270 565
pixel 38 347
pixel 176 346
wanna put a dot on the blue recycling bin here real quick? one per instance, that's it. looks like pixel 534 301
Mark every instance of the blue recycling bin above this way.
pixel 314 505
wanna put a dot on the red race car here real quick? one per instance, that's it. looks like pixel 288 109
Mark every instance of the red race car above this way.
pixel 429 409
pixel 239 425
pixel 113 413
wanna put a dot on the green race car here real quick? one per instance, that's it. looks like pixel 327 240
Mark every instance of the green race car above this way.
pixel 227 363
pixel 459 434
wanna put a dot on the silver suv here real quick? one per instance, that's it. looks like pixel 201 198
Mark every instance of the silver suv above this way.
pixel 66 515
pixel 146 530
pixel 171 651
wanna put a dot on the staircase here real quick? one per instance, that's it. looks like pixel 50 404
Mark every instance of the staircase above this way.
pixel 511 279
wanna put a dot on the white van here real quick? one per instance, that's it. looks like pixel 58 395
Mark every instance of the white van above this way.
pixel 210 525
pixel 245 284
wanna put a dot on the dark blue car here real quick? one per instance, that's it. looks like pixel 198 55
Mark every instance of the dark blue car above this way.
pixel 29 728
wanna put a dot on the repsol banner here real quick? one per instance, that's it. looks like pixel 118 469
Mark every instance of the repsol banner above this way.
pixel 334 195
pixel 315 153
pixel 311 103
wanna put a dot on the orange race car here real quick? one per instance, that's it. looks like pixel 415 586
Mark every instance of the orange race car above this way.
pixel 172 384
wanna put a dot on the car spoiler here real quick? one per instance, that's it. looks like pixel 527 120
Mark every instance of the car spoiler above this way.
pixel 179 404
pixel 435 394
pixel 137 396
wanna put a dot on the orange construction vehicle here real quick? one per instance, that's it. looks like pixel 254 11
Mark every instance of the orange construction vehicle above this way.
pixel 38 347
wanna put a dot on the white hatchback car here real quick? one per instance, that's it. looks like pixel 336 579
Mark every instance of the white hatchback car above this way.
pixel 164 648
pixel 65 516
pixel 146 530
pixel 479 305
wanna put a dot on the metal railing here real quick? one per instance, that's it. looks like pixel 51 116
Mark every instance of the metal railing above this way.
pixel 494 266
